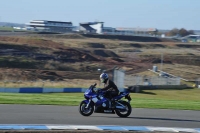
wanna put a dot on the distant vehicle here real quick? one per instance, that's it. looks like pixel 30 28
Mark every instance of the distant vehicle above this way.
pixel 191 38
pixel 17 28
pixel 184 40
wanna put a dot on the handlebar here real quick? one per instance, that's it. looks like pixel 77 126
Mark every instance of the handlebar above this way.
pixel 97 91
pixel 94 84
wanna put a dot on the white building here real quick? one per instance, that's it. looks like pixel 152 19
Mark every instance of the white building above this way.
pixel 91 27
pixel 191 38
pixel 50 26
pixel 135 31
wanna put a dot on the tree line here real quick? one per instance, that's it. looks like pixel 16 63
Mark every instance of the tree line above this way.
pixel 179 32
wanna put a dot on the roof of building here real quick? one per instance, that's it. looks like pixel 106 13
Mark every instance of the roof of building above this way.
pixel 108 28
pixel 50 21
pixel 135 29
pixel 89 23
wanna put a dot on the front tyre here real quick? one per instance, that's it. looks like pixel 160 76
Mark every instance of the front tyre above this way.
pixel 85 111
pixel 124 112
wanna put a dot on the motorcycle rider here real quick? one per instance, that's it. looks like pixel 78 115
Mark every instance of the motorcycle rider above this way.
pixel 109 86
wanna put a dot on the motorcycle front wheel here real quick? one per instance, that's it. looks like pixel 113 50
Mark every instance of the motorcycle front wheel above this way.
pixel 85 111
pixel 124 112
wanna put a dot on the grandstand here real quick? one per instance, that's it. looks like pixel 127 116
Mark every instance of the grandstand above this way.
pixel 136 31
pixel 50 26
pixel 91 27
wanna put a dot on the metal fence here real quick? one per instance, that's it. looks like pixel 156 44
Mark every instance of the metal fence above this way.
pixel 143 80
pixel 122 80
pixel 118 78
pixel 198 83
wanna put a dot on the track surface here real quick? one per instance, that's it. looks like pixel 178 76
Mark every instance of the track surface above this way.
pixel 45 114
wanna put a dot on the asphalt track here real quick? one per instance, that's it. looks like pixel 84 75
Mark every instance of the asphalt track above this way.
pixel 46 114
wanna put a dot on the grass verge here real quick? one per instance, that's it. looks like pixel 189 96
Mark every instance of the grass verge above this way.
pixel 165 99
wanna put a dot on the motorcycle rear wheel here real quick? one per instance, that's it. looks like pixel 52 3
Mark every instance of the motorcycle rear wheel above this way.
pixel 85 111
pixel 128 108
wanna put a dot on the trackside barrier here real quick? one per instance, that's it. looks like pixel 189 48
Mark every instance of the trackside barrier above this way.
pixel 41 90
pixel 72 90
pixel 136 89
pixel 30 90
pixel 10 90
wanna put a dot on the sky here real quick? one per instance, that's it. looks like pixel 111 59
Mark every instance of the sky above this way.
pixel 161 14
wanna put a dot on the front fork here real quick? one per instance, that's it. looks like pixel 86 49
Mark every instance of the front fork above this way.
pixel 128 98
pixel 88 103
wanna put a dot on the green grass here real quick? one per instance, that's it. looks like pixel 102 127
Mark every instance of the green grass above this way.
pixel 165 99
pixel 41 99
pixel 9 29
pixel 6 28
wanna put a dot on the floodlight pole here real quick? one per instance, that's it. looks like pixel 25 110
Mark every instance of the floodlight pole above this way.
pixel 99 70
pixel 161 63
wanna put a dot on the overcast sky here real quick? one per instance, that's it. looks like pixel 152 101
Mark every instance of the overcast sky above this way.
pixel 161 14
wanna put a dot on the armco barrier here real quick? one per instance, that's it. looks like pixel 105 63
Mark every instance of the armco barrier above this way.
pixel 31 90
pixel 41 90
pixel 11 90
pixel 52 90
pixel 72 90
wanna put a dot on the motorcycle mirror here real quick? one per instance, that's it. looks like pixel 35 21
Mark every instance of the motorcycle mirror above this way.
pixel 95 84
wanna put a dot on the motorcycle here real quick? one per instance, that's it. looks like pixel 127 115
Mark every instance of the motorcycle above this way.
pixel 95 100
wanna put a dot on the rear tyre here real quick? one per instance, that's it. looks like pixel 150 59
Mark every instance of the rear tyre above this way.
pixel 124 113
pixel 85 111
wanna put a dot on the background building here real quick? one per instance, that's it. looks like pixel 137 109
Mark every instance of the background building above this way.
pixel 98 28
pixel 191 38
pixel 136 31
pixel 108 30
pixel 130 31
pixel 50 26
pixel 91 27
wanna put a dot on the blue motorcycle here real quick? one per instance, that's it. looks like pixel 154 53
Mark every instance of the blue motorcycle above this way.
pixel 95 100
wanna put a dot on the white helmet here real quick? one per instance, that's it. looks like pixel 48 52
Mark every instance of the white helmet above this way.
pixel 103 77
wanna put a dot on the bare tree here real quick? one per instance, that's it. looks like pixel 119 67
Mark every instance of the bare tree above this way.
pixel 173 32
pixel 181 32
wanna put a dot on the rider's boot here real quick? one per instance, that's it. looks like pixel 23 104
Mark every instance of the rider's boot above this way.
pixel 112 103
